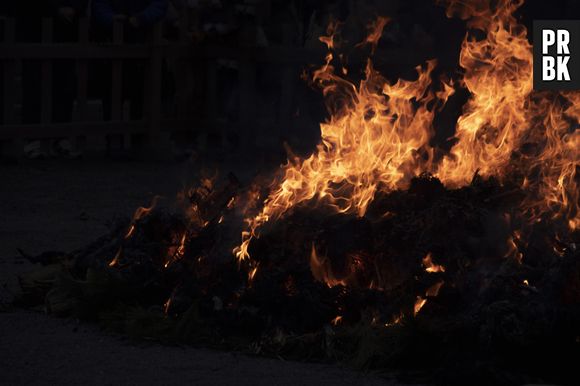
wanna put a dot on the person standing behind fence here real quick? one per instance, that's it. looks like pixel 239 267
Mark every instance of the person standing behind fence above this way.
pixel 137 17
pixel 29 15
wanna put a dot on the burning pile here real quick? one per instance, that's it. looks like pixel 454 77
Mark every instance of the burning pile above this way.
pixel 378 248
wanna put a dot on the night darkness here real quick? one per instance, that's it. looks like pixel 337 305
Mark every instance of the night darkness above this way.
pixel 286 192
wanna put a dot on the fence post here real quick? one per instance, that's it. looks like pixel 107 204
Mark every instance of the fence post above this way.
pixel 15 146
pixel 211 102
pixel 155 79
pixel 47 31
pixel 117 76
pixel 117 100
pixel 287 87
pixel 9 73
pixel 82 71
pixel 83 86
pixel 247 71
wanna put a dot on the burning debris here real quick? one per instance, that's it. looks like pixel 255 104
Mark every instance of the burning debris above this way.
pixel 429 278
pixel 376 249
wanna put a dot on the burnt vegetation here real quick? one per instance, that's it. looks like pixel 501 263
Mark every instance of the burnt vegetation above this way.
pixel 379 249
pixel 493 315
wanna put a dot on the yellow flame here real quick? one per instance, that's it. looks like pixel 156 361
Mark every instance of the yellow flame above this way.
pixel 377 135
pixel 431 292
pixel 419 303
pixel 322 270
pixel 430 266
pixel 377 140
pixel 115 260
pixel 252 273
pixel 498 74
pixel 504 113
pixel 140 213
pixel 396 320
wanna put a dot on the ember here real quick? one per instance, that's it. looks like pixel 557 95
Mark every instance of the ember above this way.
pixel 376 248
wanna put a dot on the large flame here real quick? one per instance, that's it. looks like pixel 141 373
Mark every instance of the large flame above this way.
pixel 498 74
pixel 377 136
pixel 504 115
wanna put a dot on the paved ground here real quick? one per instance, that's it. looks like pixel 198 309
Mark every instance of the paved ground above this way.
pixel 50 205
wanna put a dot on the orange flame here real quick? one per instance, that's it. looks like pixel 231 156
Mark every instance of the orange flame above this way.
pixel 375 32
pixel 332 31
pixel 434 289
pixel 166 306
pixel 430 266
pixel 504 114
pixel 252 273
pixel 419 303
pixel 115 260
pixel 378 139
pixel 176 253
pixel 498 74
pixel 396 320
pixel 377 135
pixel 431 292
pixel 322 270
pixel 140 213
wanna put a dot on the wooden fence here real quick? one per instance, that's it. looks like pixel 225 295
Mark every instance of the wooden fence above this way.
pixel 157 124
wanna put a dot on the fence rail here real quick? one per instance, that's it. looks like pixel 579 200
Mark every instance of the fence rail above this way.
pixel 199 60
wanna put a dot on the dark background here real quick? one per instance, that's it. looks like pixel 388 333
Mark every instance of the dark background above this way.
pixel 70 167
pixel 232 81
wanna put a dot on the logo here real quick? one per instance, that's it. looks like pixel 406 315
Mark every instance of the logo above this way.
pixel 557 54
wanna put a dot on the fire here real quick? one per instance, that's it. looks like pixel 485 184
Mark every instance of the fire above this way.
pixel 336 321
pixel 419 303
pixel 176 253
pixel 498 74
pixel 322 270
pixel 166 306
pixel 375 32
pixel 556 188
pixel 378 133
pixel 504 114
pixel 332 31
pixel 396 320
pixel 430 266
pixel 434 289
pixel 377 138
pixel 252 273
pixel 115 260
pixel 513 250
pixel 422 300
pixel 140 213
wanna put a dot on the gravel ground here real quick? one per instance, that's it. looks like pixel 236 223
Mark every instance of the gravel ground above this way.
pixel 62 205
